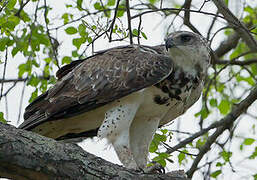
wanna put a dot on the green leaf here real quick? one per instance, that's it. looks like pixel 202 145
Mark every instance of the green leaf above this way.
pixel 135 32
pixel 24 16
pixel 120 12
pixel 65 18
pixel 156 141
pixel 3 43
pixel 75 54
pixel 14 19
pixel 219 164
pixel 249 141
pixel 224 106
pixel 2 118
pixel 213 102
pixel 98 6
pixel 68 5
pixel 89 40
pixel 33 81
pixel 203 113
pixel 216 173
pixel 24 68
pixel 152 1
pixel 33 95
pixel 79 4
pixel 226 155
pixel 66 60
pixel 200 142
pixel 15 50
pixel 71 30
pixel 161 158
pixel 159 137
pixel 48 60
pixel 111 3
pixel 249 10
pixel 164 131
pixel 11 4
pixel 43 86
pixel 82 30
pixel 249 80
pixel 254 154
pixel 181 157
pixel 34 63
pixel 153 147
pixel 78 41
pixel 143 34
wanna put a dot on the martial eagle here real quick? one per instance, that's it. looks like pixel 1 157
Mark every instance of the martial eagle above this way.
pixel 123 94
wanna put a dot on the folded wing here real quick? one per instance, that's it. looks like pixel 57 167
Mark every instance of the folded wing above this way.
pixel 98 80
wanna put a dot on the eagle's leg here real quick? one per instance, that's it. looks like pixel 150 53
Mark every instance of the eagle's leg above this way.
pixel 146 127
pixel 123 150
pixel 116 129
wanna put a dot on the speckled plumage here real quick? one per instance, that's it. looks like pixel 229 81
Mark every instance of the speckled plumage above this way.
pixel 123 94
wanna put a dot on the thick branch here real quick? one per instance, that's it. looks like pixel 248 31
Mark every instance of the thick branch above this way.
pixel 237 25
pixel 26 155
pixel 230 118
pixel 227 45
pixel 239 63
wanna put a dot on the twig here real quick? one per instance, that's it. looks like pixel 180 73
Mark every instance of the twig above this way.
pixel 21 7
pixel 239 63
pixel 2 81
pixel 205 1
pixel 54 47
pixel 23 79
pixel 211 26
pixel 21 102
pixel 113 21
pixel 10 88
pixel 139 29
pixel 169 147
pixel 177 9
pixel 129 22
pixel 231 117
pixel 205 149
pixel 181 132
pixel 187 22
pixel 104 9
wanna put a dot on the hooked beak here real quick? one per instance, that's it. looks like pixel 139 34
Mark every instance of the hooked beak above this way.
pixel 169 43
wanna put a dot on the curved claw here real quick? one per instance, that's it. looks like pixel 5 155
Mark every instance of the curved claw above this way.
pixel 156 168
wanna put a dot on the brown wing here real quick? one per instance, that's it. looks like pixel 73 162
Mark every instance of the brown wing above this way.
pixel 99 80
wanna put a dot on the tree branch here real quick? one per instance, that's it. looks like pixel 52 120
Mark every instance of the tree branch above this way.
pixel 114 18
pixel 237 25
pixel 26 155
pixel 230 118
pixel 239 63
pixel 129 22
pixel 227 45
pixel 187 22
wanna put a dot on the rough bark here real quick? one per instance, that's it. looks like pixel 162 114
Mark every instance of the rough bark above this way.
pixel 26 155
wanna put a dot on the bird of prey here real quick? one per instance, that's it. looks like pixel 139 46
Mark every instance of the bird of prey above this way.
pixel 123 94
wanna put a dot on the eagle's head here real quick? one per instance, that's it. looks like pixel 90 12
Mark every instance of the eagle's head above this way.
pixel 189 51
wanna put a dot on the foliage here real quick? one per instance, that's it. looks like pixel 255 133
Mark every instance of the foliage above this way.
pixel 29 31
